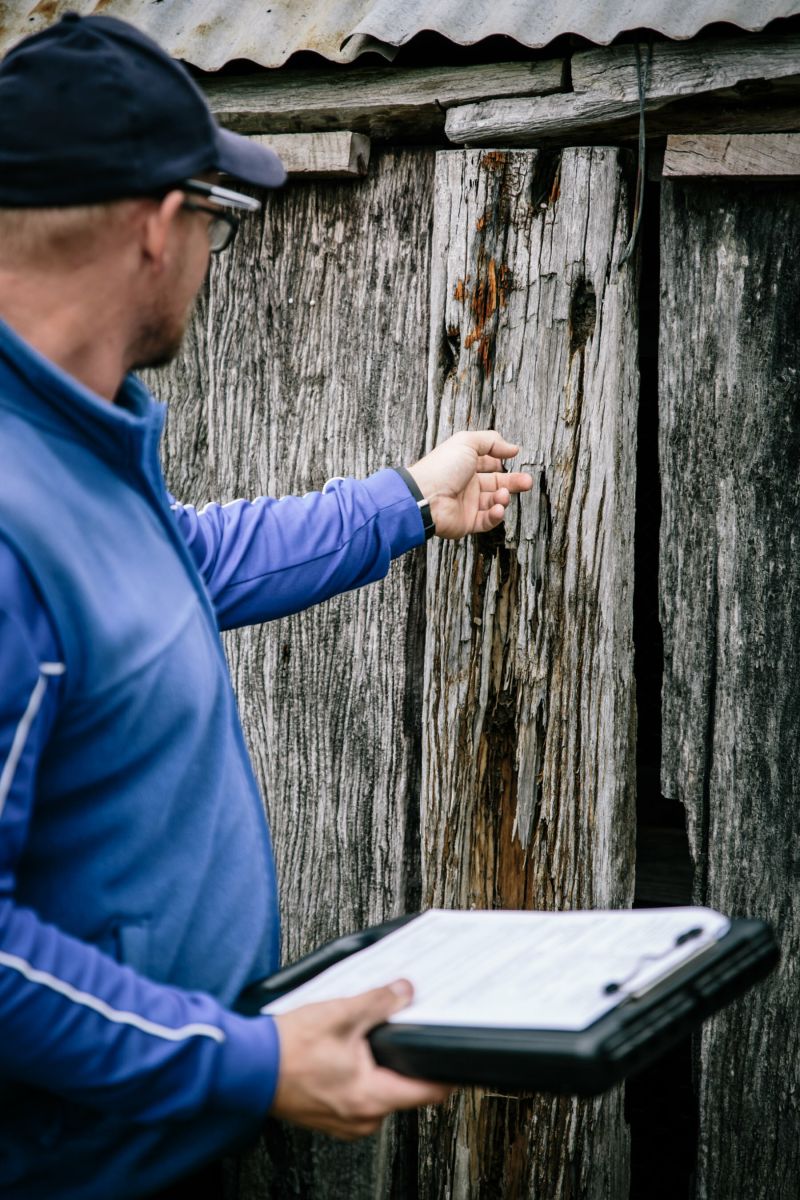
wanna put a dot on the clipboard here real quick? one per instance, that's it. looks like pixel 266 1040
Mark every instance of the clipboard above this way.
pixel 586 1062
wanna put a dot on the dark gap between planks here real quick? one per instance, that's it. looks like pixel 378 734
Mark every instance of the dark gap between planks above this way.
pixel 660 1103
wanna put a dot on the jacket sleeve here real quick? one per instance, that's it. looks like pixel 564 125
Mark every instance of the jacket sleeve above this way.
pixel 72 1020
pixel 268 558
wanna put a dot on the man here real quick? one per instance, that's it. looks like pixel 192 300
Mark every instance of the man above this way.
pixel 136 880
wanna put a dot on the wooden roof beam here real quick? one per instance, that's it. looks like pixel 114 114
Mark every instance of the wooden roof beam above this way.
pixel 382 102
pixel 606 95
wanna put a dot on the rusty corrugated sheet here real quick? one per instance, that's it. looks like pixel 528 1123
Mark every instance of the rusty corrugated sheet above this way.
pixel 210 33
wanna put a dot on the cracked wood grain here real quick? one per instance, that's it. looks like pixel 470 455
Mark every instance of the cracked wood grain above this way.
pixel 762 155
pixel 529 715
pixel 306 361
pixel 730 610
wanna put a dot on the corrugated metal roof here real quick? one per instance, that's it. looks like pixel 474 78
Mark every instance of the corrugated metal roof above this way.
pixel 210 33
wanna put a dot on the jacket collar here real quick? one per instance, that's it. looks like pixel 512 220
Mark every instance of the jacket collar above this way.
pixel 125 433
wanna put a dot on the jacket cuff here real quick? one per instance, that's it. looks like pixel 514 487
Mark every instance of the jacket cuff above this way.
pixel 400 519
pixel 249 1062
pixel 422 504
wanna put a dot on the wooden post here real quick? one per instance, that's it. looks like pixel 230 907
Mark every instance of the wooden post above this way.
pixel 529 718
pixel 730 605
pixel 307 359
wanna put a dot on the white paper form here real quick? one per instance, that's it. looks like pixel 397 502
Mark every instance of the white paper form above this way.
pixel 519 970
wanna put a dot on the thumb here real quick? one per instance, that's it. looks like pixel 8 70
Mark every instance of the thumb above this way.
pixel 371 1008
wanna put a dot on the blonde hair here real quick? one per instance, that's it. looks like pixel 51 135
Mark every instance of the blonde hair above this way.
pixel 58 237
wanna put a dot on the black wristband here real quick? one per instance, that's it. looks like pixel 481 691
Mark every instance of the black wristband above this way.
pixel 422 504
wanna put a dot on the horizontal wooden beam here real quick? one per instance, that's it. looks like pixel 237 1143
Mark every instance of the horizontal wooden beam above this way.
pixel 381 101
pixel 761 155
pixel 525 121
pixel 715 117
pixel 693 117
pixel 686 68
pixel 605 86
pixel 319 155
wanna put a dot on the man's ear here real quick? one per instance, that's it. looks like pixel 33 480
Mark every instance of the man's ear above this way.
pixel 157 226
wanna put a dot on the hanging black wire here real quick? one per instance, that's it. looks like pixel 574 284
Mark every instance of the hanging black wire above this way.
pixel 643 78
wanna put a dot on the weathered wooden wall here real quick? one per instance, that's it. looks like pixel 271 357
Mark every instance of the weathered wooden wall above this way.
pixel 529 719
pixel 307 359
pixel 470 740
pixel 730 598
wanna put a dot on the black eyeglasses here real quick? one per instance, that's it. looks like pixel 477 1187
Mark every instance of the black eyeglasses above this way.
pixel 222 229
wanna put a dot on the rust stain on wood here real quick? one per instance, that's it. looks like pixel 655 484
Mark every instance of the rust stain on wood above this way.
pixel 494 160
pixel 484 348
pixel 460 289
pixel 488 295
pixel 555 190
pixel 491 293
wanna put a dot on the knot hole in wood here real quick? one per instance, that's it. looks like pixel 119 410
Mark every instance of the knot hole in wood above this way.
pixel 582 314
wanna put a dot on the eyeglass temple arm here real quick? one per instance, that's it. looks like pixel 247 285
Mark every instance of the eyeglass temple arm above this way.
pixel 223 195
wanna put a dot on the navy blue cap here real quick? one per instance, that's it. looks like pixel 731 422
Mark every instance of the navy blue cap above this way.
pixel 91 109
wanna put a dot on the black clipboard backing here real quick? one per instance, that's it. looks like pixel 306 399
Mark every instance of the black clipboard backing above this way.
pixel 584 1063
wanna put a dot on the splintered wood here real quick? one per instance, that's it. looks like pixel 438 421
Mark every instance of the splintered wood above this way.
pixel 529 715
pixel 730 607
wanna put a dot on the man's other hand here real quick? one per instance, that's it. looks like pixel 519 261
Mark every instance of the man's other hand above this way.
pixel 328 1079
pixel 464 481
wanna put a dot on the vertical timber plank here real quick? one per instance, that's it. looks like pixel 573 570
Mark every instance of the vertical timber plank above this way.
pixel 529 731
pixel 730 609
pixel 307 359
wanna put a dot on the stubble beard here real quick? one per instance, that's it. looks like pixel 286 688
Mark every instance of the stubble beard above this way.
pixel 157 345
pixel 160 335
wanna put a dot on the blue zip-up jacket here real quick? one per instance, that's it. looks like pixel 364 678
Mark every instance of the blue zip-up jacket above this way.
pixel 137 890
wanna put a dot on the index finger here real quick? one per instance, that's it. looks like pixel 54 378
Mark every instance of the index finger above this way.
pixel 489 441
pixel 513 481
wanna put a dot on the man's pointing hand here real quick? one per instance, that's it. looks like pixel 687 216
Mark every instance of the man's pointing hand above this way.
pixel 465 482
